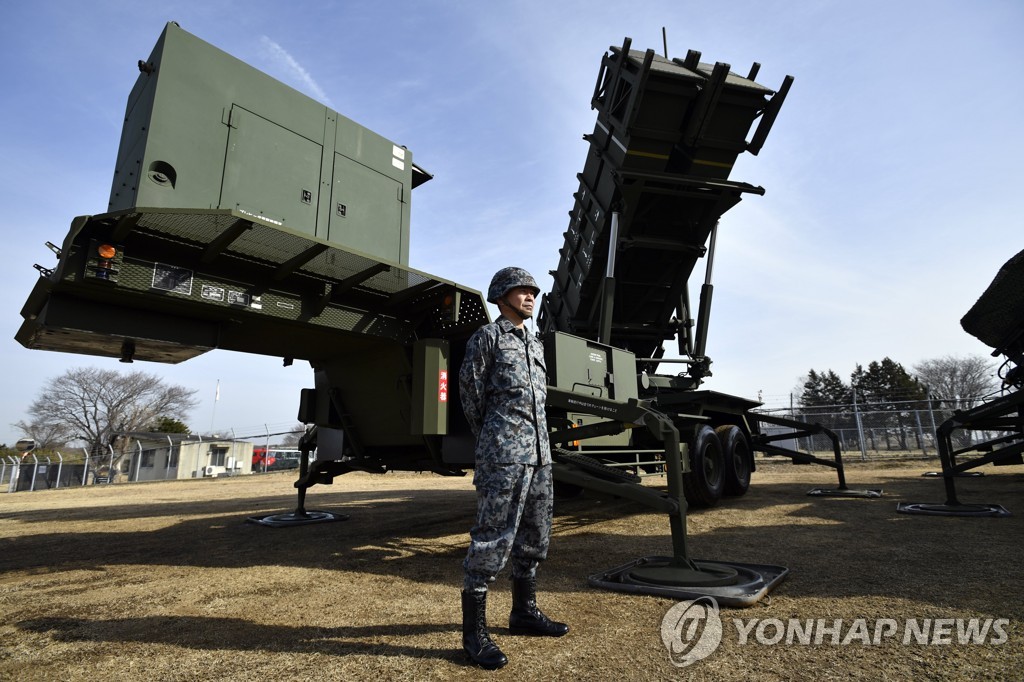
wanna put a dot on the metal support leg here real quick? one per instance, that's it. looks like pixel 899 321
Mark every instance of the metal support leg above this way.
pixel 679 576
pixel 300 517
pixel 1001 449
pixel 764 442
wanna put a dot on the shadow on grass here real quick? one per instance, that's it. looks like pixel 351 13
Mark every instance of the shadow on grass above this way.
pixel 242 635
pixel 833 547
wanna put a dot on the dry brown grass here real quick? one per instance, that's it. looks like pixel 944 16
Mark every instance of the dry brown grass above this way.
pixel 166 581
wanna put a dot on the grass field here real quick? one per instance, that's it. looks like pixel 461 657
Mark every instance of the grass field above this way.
pixel 167 581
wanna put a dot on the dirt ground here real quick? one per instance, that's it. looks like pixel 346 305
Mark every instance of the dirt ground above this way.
pixel 167 581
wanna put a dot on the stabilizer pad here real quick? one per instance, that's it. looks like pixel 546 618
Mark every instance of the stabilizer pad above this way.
pixel 294 519
pixel 731 584
pixel 845 492
pixel 936 509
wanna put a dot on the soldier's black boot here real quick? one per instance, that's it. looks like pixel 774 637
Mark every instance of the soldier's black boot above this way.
pixel 476 641
pixel 526 618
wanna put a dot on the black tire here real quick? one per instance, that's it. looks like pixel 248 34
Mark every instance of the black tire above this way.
pixel 738 459
pixel 704 484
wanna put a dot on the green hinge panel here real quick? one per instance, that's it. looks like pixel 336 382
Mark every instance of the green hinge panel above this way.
pixel 205 130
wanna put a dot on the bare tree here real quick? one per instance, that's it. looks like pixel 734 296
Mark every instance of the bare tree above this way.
pixel 291 439
pixel 97 406
pixel 48 436
pixel 961 379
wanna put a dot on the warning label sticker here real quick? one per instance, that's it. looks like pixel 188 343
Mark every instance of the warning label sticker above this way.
pixel 442 386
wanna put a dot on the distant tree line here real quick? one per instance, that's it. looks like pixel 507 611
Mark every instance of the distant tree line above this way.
pixel 955 381
pixel 894 397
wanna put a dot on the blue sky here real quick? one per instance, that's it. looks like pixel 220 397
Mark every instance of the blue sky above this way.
pixel 892 175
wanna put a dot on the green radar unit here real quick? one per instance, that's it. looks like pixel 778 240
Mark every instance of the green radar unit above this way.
pixel 205 130
pixel 246 216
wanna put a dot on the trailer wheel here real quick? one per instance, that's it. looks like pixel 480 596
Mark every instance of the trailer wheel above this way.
pixel 737 455
pixel 704 484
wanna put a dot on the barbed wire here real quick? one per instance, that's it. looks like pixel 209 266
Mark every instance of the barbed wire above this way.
pixel 886 406
pixel 260 431
pixel 793 400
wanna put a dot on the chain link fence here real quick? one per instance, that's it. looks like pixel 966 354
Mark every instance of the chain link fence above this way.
pixel 143 458
pixel 892 430
pixel 40 472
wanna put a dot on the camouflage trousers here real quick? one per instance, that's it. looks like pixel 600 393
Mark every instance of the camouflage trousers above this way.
pixel 513 519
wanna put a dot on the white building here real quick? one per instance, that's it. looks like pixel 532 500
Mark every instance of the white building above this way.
pixel 163 456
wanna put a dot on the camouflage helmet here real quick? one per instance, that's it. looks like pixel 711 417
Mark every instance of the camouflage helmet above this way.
pixel 506 279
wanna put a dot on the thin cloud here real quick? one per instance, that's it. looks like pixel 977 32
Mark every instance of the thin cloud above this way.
pixel 284 59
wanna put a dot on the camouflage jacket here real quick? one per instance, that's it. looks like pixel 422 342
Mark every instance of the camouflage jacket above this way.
pixel 503 384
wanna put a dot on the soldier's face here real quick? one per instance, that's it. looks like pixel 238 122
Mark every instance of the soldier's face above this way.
pixel 521 299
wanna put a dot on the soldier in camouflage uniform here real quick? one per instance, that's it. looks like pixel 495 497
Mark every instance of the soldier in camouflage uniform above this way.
pixel 504 387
